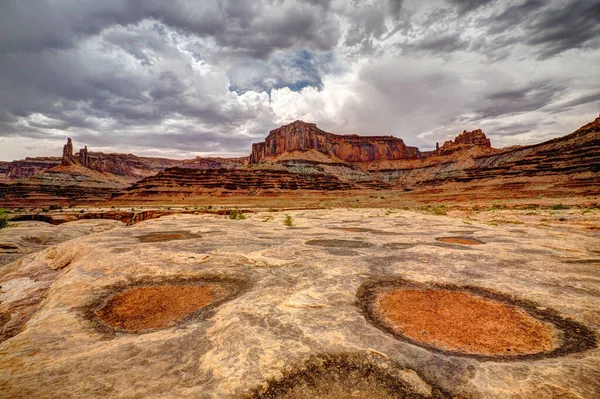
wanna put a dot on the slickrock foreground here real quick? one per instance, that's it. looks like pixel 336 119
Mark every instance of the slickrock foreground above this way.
pixel 285 310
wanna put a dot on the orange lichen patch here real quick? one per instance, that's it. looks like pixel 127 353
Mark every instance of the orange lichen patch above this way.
pixel 461 322
pixel 459 240
pixel 160 306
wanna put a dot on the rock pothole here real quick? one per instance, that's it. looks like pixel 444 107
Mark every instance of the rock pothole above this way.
pixel 395 246
pixel 460 240
pixel 147 306
pixel 471 321
pixel 342 376
pixel 354 229
pixel 167 236
pixel 339 243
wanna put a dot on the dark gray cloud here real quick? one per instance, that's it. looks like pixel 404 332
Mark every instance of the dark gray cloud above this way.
pixel 465 6
pixel 256 28
pixel 518 100
pixel 549 28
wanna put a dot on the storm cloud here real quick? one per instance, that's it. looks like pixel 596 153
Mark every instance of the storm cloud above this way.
pixel 186 78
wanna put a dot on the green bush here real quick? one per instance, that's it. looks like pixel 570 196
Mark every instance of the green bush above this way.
pixel 236 214
pixel 439 210
pixel 288 221
pixel 3 218
pixel 558 207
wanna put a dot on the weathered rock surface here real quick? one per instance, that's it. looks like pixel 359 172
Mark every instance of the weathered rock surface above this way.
pixel 302 136
pixel 464 141
pixel 24 237
pixel 297 316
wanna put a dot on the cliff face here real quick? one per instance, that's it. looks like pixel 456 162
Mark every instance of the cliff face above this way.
pixel 302 136
pixel 29 167
pixel 127 165
pixel 464 141
pixel 572 161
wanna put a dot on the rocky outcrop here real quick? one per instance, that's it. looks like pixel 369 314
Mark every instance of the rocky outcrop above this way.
pixel 67 156
pixel 464 141
pixel 571 161
pixel 302 136
pixel 116 164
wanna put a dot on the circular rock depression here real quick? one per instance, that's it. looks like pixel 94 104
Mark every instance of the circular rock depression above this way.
pixel 343 376
pixel 145 307
pixel 460 240
pixel 470 321
pixel 167 236
pixel 339 243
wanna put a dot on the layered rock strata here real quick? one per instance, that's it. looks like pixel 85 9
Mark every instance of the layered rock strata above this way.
pixel 571 161
pixel 302 136
pixel 181 181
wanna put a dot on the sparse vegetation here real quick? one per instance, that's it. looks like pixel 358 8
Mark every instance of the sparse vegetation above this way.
pixel 3 218
pixel 439 210
pixel 289 221
pixel 559 207
pixel 236 214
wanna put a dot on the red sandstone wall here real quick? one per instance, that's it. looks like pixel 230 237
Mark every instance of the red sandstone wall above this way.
pixel 301 136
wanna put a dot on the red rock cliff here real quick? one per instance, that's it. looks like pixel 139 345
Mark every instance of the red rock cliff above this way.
pixel 465 140
pixel 302 136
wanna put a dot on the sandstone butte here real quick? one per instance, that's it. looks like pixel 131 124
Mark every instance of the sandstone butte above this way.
pixel 300 156
pixel 302 136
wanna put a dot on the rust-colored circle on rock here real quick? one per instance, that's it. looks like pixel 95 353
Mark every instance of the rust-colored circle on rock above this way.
pixel 462 322
pixel 152 303
pixel 470 321
pixel 153 307
pixel 460 240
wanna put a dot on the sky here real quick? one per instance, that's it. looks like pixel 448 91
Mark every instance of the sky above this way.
pixel 186 78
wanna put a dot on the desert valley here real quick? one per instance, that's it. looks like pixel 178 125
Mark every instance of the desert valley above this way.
pixel 300 199
pixel 320 266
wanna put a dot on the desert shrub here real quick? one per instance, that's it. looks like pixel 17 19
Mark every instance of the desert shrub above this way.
pixel 439 210
pixel 558 207
pixel 3 218
pixel 236 214
pixel 288 221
